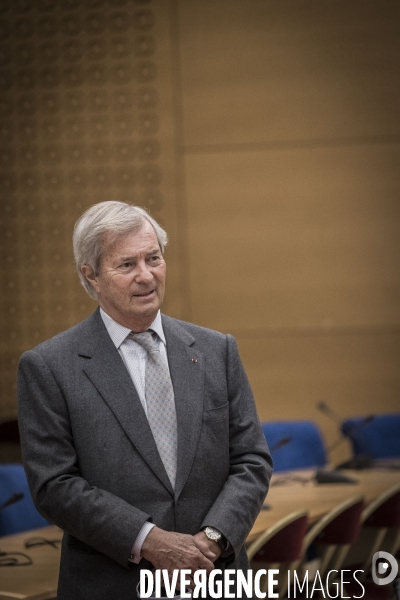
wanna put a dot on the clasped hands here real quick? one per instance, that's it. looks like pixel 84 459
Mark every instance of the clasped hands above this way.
pixel 169 550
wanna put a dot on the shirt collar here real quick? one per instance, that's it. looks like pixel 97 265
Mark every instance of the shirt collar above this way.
pixel 118 333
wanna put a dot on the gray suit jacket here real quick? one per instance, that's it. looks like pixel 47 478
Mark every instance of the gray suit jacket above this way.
pixel 93 466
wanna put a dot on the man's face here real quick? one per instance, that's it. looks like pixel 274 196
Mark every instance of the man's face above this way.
pixel 131 280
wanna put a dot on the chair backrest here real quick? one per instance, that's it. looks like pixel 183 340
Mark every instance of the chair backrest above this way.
pixel 304 447
pixel 282 542
pixel 21 516
pixel 378 519
pixel 378 437
pixel 384 511
pixel 335 532
pixel 340 526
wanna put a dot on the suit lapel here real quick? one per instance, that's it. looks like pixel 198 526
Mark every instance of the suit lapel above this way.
pixel 110 377
pixel 186 366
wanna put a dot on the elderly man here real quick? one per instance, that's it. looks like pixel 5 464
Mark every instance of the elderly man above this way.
pixel 139 432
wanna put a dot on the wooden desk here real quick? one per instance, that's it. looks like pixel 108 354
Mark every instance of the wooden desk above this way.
pixel 39 580
pixel 318 499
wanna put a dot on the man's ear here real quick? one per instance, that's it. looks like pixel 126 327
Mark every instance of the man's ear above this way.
pixel 90 276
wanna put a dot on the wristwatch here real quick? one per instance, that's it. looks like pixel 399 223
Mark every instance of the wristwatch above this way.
pixel 215 535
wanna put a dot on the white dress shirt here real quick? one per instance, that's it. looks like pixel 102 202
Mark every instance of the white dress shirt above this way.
pixel 134 357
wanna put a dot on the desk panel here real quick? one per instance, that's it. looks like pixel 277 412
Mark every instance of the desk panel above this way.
pixel 318 499
pixel 37 581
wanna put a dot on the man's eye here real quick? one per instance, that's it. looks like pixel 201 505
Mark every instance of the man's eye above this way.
pixel 127 264
pixel 155 260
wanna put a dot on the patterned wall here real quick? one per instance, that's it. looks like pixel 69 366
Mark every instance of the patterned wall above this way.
pixel 85 117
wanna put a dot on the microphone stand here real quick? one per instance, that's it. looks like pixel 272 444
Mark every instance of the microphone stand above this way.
pixel 362 461
pixel 328 475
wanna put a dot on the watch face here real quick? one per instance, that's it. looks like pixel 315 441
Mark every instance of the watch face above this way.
pixel 212 534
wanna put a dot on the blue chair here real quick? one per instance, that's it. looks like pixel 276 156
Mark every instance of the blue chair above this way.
pixel 22 515
pixel 294 444
pixel 377 436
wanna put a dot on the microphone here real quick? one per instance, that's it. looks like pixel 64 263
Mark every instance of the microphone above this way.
pixel 326 409
pixel 362 461
pixel 280 443
pixel 323 407
pixel 350 429
pixel 12 500
pixel 320 476
pixel 325 475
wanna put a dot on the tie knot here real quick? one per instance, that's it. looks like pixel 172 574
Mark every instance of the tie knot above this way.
pixel 146 340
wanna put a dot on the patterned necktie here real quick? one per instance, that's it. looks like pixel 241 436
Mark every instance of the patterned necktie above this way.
pixel 160 402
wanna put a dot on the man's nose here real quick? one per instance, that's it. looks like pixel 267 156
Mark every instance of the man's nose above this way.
pixel 143 274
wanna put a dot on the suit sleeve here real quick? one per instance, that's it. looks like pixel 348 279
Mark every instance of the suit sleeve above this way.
pixel 94 516
pixel 239 502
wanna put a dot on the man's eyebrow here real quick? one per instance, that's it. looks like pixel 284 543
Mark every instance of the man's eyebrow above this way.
pixel 151 253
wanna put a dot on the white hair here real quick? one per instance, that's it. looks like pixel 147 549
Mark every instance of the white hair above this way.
pixel 104 223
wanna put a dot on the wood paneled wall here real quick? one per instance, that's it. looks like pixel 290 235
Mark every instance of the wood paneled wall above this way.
pixel 87 116
pixel 273 160
pixel 291 153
